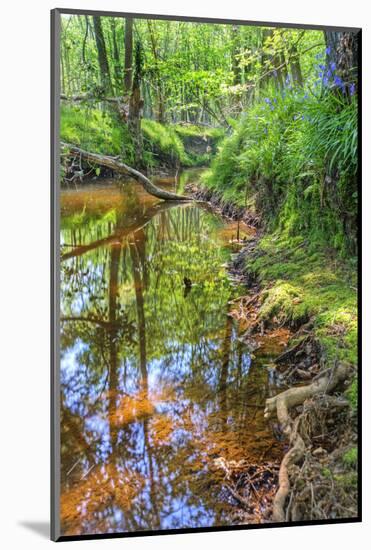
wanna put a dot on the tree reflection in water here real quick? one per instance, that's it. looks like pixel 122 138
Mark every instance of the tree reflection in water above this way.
pixel 155 383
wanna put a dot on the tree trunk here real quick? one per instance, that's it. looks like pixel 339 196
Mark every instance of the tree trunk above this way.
pixel 235 51
pixel 265 58
pixel 116 57
pixel 122 168
pixel 135 107
pixel 342 50
pixel 296 73
pixel 128 72
pixel 102 56
pixel 160 96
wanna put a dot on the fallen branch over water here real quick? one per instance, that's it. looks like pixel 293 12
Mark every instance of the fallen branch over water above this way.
pixel 121 168
pixel 280 405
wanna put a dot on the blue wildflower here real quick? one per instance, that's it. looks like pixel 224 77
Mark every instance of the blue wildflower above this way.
pixel 320 75
pixel 325 81
pixel 322 67
pixel 328 50
pixel 333 66
pixel 338 81
pixel 352 89
pixel 267 100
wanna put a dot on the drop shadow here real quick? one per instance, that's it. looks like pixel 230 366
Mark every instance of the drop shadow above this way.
pixel 42 528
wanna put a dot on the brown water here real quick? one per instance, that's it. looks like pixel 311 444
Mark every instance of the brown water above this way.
pixel 156 386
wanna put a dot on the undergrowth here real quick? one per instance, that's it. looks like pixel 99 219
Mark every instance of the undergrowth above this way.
pixel 293 157
pixel 101 132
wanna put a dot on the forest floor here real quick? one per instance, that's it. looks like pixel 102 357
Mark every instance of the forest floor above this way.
pixel 314 296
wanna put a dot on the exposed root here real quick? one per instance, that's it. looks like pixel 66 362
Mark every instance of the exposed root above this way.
pixel 280 405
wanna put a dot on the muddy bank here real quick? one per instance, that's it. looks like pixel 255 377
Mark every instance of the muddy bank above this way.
pixel 228 210
pixel 313 415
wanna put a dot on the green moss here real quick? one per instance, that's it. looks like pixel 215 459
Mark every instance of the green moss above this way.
pixel 326 472
pixel 281 301
pixel 352 394
pixel 350 457
pixel 303 284
pixel 348 481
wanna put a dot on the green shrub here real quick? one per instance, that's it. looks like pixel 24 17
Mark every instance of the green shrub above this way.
pixel 163 141
pixel 293 156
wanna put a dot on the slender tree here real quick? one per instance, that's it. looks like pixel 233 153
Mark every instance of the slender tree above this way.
pixel 135 106
pixel 105 77
pixel 128 69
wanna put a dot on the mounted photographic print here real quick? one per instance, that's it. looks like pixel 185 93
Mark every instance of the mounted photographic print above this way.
pixel 205 191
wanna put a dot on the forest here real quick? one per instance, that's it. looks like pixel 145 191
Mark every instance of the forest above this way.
pixel 209 210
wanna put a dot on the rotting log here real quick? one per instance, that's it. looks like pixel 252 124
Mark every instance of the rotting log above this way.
pixel 280 405
pixel 121 168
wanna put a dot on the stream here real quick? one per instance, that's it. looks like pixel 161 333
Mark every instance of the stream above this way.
pixel 158 388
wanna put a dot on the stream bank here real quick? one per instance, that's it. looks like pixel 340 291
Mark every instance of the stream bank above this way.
pixel 312 297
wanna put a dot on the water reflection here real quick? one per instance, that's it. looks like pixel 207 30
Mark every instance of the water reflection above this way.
pixel 155 384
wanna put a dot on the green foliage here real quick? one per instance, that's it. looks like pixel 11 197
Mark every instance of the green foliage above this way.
pixel 96 131
pixel 294 156
pixel 192 130
pixel 101 132
pixel 161 140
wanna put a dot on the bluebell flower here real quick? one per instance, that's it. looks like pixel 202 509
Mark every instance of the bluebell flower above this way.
pixel 328 50
pixel 305 96
pixel 352 89
pixel 338 81
pixel 325 81
pixel 302 117
pixel 333 66
pixel 267 100
pixel 320 75
pixel 275 99
pixel 322 67
pixel 328 74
